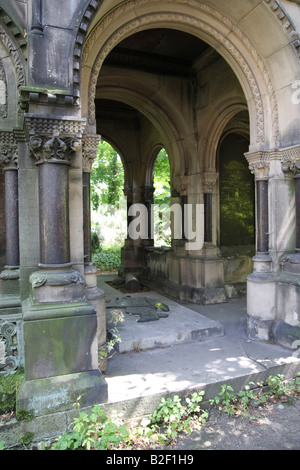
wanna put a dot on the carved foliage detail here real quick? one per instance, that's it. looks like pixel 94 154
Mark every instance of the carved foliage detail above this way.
pixel 9 360
pixel 45 149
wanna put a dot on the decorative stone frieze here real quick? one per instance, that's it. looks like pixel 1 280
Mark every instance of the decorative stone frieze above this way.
pixel 54 125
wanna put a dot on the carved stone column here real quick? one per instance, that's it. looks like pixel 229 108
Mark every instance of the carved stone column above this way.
pixel 11 356
pixel 93 293
pixel 10 298
pixel 60 325
pixel 261 288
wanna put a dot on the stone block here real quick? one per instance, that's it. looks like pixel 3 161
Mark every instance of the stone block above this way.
pixel 56 394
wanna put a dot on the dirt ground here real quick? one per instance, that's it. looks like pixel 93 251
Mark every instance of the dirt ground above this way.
pixel 276 427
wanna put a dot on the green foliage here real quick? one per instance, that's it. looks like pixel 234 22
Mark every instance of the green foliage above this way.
pixel 173 417
pixel 162 194
pixel 92 432
pixel 107 259
pixel 105 352
pixel 95 242
pixel 107 176
pixel 9 386
pixel 162 198
pixel 275 388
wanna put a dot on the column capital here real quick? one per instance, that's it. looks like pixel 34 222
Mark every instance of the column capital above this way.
pixel 209 181
pixel 8 151
pixel 259 164
pixel 290 160
pixel 90 143
pixel 179 186
pixel 53 139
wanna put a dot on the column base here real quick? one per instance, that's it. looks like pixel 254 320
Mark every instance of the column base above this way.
pixel 261 299
pixel 96 297
pixel 10 301
pixel 56 394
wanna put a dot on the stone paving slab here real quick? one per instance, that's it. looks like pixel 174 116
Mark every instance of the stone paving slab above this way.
pixel 181 325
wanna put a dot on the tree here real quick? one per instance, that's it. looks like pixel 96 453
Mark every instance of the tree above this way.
pixel 107 176
pixel 161 179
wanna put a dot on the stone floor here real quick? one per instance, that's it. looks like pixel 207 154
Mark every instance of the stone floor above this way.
pixel 195 347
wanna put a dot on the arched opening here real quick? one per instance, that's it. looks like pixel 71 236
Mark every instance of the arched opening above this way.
pixel 237 212
pixel 162 200
pixel 237 202
pixel 160 88
pixel 108 214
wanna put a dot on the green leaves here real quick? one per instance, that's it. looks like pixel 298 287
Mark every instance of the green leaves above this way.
pixel 107 176
pixel 107 259
pixel 94 431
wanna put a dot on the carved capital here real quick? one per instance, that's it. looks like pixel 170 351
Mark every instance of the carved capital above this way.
pixel 259 164
pixel 209 181
pixel 54 149
pixel 53 140
pixel 90 143
pixel 9 156
pixel 179 186
pixel 290 161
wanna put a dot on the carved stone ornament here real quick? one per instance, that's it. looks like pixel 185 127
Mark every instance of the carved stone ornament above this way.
pixel 9 156
pixel 259 164
pixel 9 360
pixel 179 186
pixel 52 139
pixel 90 143
pixel 290 161
pixel 209 181
pixel 55 149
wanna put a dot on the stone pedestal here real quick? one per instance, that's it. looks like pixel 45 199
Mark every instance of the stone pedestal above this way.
pixel 197 279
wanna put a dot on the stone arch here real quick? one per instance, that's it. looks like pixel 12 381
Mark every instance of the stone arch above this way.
pixel 151 162
pixel 213 27
pixel 216 128
pixel 13 68
pixel 121 152
pixel 157 116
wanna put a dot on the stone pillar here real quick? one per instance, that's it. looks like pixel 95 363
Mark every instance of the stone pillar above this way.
pixel 10 298
pixel 93 294
pixel 60 325
pixel 261 287
pixel 148 201
pixel 286 329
